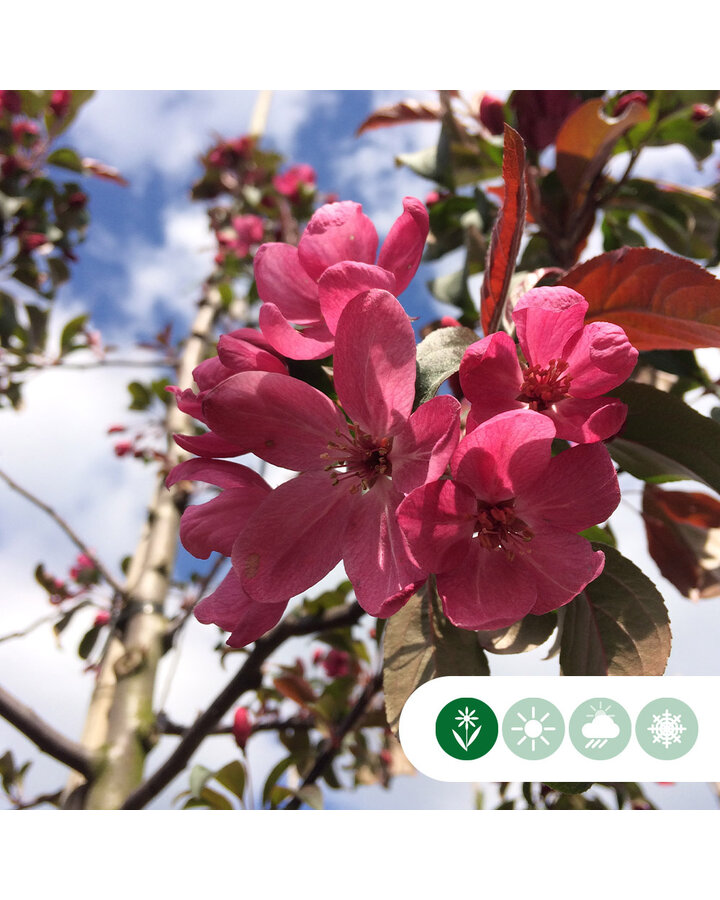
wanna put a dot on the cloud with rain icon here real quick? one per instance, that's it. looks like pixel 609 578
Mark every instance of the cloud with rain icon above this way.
pixel 600 730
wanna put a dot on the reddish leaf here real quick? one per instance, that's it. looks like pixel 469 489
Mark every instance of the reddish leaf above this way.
pixel 683 532
pixel 663 302
pixel 586 140
pixel 506 235
pixel 101 170
pixel 294 687
pixel 400 114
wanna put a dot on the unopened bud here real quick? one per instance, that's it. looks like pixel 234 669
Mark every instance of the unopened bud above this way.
pixel 242 726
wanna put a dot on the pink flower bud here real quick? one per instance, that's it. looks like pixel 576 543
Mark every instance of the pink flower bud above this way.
pixel 242 726
pixel 290 183
pixel 115 429
pixel 10 101
pixel 491 114
pixel 60 102
pixel 102 618
pixel 77 200
pixel 627 99
pixel 122 448
pixel 337 664
pixel 31 241
pixel 700 112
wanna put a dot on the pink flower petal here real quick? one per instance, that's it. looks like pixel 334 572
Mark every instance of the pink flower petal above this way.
pixel 579 488
pixel 374 365
pixel 490 377
pixel 377 559
pixel 403 247
pixel 279 418
pixel 218 472
pixel 231 609
pixel 282 281
pixel 209 444
pixel 546 318
pixel 209 373
pixel 242 356
pixel 315 342
pixel 215 525
pixel 562 565
pixel 337 232
pixel 438 521
pixel 294 538
pixel 489 590
pixel 187 401
pixel 422 449
pixel 504 455
pixel 585 421
pixel 345 280
pixel 600 358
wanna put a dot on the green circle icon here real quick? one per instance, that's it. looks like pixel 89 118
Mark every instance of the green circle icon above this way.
pixel 666 728
pixel 466 728
pixel 533 728
pixel 600 728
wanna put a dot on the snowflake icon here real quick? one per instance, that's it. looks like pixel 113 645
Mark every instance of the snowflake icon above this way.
pixel 667 729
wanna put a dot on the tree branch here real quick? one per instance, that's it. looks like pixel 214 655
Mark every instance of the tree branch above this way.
pixel 334 746
pixel 247 678
pixel 166 726
pixel 45 736
pixel 79 543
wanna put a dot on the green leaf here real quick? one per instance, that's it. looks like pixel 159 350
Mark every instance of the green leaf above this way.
pixel 527 634
pixel 9 206
pixel 618 625
pixel 232 777
pixel 70 332
pixel 213 799
pixel 312 795
pixel 141 396
pixel 38 318
pixel 600 534
pixel 664 439
pixel 65 158
pixel 570 787
pixel 438 357
pixel 451 289
pixel 199 776
pixel 272 778
pixel 8 318
pixel 88 642
pixel 7 770
pixel 420 644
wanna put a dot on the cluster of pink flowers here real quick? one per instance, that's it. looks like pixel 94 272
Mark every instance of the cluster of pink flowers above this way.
pixel 394 492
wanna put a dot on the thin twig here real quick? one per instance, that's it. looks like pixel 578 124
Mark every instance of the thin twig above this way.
pixel 79 543
pixel 44 735
pixel 334 746
pixel 297 723
pixel 249 677
pixel 36 624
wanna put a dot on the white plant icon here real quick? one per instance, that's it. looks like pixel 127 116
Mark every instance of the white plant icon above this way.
pixel 468 719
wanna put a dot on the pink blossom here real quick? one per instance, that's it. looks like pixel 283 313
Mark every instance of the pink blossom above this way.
pixel 337 664
pixel 214 526
pixel 122 448
pixel 60 103
pixel 242 726
pixel 700 112
pixel 291 183
pixel 501 536
pixel 310 285
pixel 353 474
pixel 246 232
pixel 83 564
pixel 101 619
pixel 568 367
pixel 627 99
pixel 23 130
pixel 243 350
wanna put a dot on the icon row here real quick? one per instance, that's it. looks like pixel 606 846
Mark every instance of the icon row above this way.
pixel 533 728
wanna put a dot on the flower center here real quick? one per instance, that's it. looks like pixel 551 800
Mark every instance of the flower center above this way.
pixel 498 527
pixel 358 456
pixel 543 387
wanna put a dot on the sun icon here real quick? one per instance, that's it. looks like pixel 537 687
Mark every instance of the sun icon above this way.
pixel 533 728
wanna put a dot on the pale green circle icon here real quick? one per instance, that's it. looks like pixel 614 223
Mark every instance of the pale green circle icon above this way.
pixel 666 728
pixel 533 728
pixel 600 728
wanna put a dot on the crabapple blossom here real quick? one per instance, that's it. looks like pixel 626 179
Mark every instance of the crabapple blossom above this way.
pixel 569 367
pixel 310 285
pixel 291 183
pixel 501 534
pixel 242 726
pixel 353 474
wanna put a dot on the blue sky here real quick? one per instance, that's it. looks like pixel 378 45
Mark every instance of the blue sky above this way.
pixel 147 251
